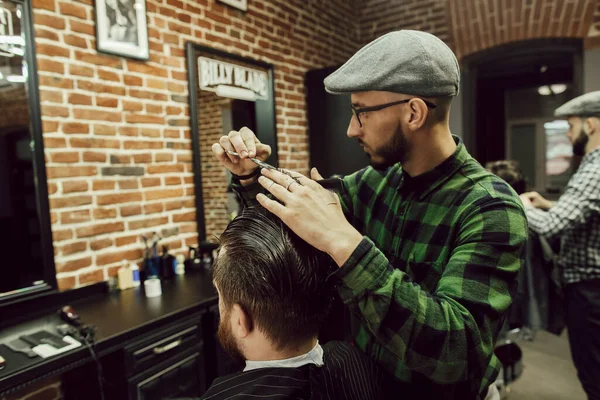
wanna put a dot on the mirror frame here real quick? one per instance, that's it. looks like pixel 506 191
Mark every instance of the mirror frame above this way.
pixel 265 118
pixel 39 168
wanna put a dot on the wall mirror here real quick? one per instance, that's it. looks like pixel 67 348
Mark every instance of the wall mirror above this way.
pixel 227 92
pixel 27 263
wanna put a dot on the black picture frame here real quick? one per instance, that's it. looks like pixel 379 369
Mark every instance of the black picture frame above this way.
pixel 49 286
pixel 107 45
pixel 265 119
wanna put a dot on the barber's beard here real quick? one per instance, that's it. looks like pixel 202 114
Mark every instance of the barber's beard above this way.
pixel 580 143
pixel 228 341
pixel 394 151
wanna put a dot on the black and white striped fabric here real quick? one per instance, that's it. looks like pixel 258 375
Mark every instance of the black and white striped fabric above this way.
pixel 347 374
pixel 576 219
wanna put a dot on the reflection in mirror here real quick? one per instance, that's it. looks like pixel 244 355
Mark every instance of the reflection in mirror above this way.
pixel 230 92
pixel 21 238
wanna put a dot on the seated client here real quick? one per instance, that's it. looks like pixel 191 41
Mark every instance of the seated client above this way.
pixel 273 296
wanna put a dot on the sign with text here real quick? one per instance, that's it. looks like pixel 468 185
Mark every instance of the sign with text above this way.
pixel 231 80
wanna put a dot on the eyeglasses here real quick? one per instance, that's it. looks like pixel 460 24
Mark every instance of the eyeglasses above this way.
pixel 357 111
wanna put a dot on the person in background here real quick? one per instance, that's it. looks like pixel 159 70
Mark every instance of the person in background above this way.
pixel 273 297
pixel 428 243
pixel 575 219
pixel 509 171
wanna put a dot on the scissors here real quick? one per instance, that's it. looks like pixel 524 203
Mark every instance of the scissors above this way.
pixel 333 184
pixel 262 164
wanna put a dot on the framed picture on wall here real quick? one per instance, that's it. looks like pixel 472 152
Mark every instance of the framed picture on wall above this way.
pixel 239 4
pixel 121 28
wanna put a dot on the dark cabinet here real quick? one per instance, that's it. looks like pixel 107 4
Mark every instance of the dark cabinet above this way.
pixel 169 361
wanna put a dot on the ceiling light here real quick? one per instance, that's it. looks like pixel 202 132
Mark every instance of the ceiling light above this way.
pixel 543 68
pixel 558 88
pixel 544 91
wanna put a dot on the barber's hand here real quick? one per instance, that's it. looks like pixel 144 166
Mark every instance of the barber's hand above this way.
pixel 536 200
pixel 312 212
pixel 246 144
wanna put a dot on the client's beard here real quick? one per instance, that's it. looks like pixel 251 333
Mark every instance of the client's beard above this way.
pixel 228 341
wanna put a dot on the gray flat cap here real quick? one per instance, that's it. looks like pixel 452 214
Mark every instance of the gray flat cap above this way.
pixel 587 105
pixel 410 62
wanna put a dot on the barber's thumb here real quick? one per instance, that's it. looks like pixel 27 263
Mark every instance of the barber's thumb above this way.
pixel 315 175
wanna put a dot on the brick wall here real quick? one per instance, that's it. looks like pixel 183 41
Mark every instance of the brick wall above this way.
pixel 214 177
pixel 377 17
pixel 116 131
pixel 468 26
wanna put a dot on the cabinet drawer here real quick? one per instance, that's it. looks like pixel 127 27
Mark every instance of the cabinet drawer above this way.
pixel 162 345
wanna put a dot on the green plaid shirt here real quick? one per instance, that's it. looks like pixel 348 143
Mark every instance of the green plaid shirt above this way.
pixel 431 281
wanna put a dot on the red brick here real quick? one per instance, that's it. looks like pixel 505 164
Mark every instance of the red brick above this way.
pixel 103 213
pixel 72 248
pixel 165 169
pixel 52 50
pixel 65 157
pixel 52 21
pixel 134 66
pixel 54 111
pixel 47 65
pixel 56 81
pixel 72 201
pixel 67 172
pixel 162 194
pixel 75 127
pixel 65 284
pixel 153 208
pixel 131 80
pixel 149 132
pixel 144 119
pixel 154 109
pixel 108 76
pixel 105 130
pixel 148 223
pixel 100 229
pixel 129 131
pixel 160 84
pixel 52 188
pixel 103 185
pixel 95 143
pixel 124 241
pixel 77 98
pixel 75 186
pixel 128 211
pixel 163 157
pixel 50 126
pixel 44 4
pixel 73 9
pixel 100 244
pixel 99 59
pixel 149 182
pixel 112 258
pixel 92 156
pixel 142 145
pixel 107 102
pixel 142 158
pixel 132 105
pixel 188 216
pixel 172 180
pixel 128 185
pixel 174 205
pixel 81 70
pixel 75 217
pixel 59 236
pixel 74 265
pixel 91 277
pixel 81 27
pixel 118 198
pixel 76 41
pixel 95 115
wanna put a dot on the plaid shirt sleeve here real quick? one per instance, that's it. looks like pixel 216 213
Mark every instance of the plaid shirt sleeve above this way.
pixel 446 335
pixel 580 200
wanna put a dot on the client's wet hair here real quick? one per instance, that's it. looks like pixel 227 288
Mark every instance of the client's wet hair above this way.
pixel 274 276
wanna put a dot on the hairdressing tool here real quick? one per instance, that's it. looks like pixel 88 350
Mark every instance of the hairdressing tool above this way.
pixel 334 184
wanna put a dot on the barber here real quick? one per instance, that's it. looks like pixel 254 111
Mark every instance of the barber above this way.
pixel 575 220
pixel 427 242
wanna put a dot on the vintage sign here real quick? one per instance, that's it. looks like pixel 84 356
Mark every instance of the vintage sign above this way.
pixel 231 80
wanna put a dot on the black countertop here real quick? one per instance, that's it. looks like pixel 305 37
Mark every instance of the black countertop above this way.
pixel 119 317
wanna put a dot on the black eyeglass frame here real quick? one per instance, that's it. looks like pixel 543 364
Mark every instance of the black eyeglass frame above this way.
pixel 357 111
